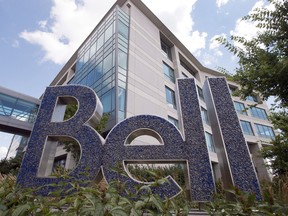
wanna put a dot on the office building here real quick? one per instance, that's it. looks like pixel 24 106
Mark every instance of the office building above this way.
pixel 131 60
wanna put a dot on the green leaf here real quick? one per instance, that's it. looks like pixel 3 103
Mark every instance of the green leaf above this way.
pixel 139 204
pixel 20 210
pixel 118 210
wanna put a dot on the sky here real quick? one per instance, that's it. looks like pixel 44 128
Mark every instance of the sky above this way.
pixel 38 37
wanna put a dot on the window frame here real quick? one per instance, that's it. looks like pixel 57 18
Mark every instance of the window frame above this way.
pixel 166 49
pixel 173 97
pixel 248 126
pixel 270 129
pixel 170 71
pixel 240 111
pixel 257 112
pixel 204 115
pixel 210 142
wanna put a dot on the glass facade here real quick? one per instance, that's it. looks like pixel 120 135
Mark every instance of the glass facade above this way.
pixel 102 64
pixel 17 146
pixel 246 128
pixel 258 113
pixel 17 108
pixel 240 108
pixel 265 131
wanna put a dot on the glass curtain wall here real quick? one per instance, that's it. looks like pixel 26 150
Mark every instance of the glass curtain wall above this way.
pixel 102 64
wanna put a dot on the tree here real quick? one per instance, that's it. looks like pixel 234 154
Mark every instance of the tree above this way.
pixel 11 165
pixel 278 152
pixel 263 60
pixel 263 68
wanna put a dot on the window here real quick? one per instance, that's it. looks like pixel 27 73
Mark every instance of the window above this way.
pixel 204 116
pixel 169 72
pixel 188 68
pixel 108 63
pixel 166 50
pixel 258 113
pixel 173 121
pixel 122 59
pixel 100 41
pixel 121 103
pixel 109 32
pixel 98 71
pixel 246 128
pixel 252 98
pixel 210 142
pixel 170 97
pixel 90 78
pixel 240 108
pixel 123 29
pixel 108 101
pixel 200 93
pixel 265 131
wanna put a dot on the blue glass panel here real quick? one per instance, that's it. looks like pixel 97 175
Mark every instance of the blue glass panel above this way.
pixel 170 97
pixel 93 49
pixel 122 59
pixel 265 131
pixel 90 78
pixel 98 71
pixel 123 29
pixel 121 99
pixel 169 72
pixel 108 32
pixel 107 102
pixel 246 127
pixel 100 41
pixel 240 108
pixel 108 63
pixel 210 142
pixel 258 113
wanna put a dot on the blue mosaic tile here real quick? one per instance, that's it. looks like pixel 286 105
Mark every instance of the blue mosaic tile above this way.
pixel 90 142
pixel 193 151
pixel 231 142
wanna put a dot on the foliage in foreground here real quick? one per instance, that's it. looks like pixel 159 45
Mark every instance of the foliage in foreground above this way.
pixel 277 153
pixel 242 203
pixel 98 200
pixel 11 166
pixel 84 201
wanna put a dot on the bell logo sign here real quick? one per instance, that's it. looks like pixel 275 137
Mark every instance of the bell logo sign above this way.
pixel 188 147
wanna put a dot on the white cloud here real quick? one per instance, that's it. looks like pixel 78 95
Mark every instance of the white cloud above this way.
pixel 69 24
pixel 248 29
pixel 212 57
pixel 5 140
pixel 213 43
pixel 220 3
pixel 176 15
pixel 71 21
pixel 3 152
